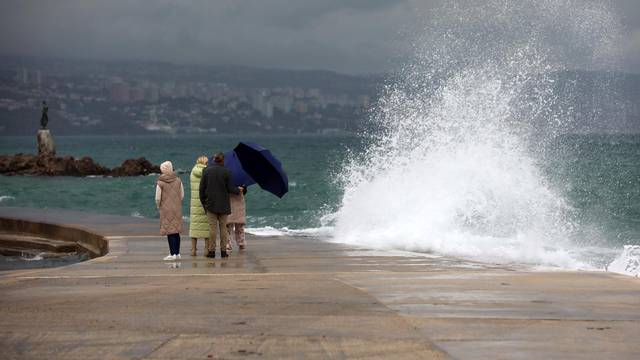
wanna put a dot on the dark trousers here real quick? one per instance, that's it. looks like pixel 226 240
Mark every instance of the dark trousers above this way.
pixel 174 243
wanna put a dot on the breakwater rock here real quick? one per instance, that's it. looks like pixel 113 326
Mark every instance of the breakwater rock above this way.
pixel 49 165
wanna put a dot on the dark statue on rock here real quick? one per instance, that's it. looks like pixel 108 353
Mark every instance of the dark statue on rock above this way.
pixel 46 163
pixel 44 120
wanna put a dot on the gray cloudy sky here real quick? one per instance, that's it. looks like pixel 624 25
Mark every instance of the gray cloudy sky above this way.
pixel 352 36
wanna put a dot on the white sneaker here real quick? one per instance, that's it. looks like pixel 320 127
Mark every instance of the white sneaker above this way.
pixel 169 258
pixel 177 256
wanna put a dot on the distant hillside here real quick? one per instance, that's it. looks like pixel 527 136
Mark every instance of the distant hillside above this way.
pixel 237 76
pixel 168 98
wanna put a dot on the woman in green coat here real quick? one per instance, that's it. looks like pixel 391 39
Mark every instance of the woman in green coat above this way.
pixel 198 222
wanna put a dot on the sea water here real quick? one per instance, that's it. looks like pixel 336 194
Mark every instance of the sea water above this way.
pixel 596 176
pixel 308 161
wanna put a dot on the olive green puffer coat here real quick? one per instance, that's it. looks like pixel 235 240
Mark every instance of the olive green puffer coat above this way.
pixel 198 223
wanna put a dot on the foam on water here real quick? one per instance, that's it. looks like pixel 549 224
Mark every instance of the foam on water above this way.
pixel 6 198
pixel 453 165
pixel 285 231
pixel 628 262
pixel 36 257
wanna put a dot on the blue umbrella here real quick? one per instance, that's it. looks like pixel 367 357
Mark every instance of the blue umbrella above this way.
pixel 238 176
pixel 250 163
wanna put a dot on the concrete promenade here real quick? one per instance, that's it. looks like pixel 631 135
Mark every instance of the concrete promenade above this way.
pixel 299 298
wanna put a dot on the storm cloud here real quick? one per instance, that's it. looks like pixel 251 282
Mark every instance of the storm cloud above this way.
pixel 352 36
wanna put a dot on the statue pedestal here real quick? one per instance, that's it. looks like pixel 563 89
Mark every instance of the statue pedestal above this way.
pixel 45 143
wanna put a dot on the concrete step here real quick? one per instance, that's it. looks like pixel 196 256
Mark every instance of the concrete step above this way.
pixel 26 242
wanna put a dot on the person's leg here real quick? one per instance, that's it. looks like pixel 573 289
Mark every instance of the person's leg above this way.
pixel 229 237
pixel 172 244
pixel 206 245
pixel 224 235
pixel 194 246
pixel 177 244
pixel 240 236
pixel 170 241
pixel 213 230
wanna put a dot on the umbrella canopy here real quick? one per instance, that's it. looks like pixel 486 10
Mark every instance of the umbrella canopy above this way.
pixel 239 177
pixel 260 166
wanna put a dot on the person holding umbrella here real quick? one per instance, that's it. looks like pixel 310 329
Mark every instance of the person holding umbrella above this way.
pixel 249 164
pixel 215 187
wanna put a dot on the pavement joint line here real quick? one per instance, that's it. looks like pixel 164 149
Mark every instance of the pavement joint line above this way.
pixel 190 275
pixel 510 318
pixel 513 319
pixel 124 237
pixel 167 341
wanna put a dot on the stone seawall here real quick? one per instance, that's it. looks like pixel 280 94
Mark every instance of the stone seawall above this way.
pixel 93 244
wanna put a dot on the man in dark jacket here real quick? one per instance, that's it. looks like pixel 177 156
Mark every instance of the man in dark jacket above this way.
pixel 215 187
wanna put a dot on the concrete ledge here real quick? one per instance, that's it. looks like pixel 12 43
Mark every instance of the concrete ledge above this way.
pixel 94 244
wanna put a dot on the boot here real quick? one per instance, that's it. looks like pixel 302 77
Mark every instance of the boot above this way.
pixel 194 246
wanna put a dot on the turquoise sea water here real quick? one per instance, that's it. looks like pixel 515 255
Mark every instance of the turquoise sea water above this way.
pixel 598 175
pixel 309 162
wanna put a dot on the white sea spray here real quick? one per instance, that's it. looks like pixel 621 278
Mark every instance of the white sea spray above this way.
pixel 628 262
pixel 449 168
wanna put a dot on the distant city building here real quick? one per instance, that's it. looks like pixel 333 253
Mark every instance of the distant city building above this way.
pixel 119 92
pixel 180 91
pixel 313 93
pixel 298 93
pixel 22 76
pixel 167 89
pixel 283 103
pixel 261 104
pixel 38 79
pixel 153 93
pixel 268 113
pixel 301 107
pixel 137 94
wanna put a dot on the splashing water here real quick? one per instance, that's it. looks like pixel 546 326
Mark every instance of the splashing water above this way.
pixel 453 164
pixel 628 262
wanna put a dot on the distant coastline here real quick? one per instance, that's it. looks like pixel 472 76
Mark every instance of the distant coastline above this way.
pixel 140 98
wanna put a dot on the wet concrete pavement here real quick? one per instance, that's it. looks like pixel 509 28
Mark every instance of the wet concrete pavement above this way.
pixel 294 297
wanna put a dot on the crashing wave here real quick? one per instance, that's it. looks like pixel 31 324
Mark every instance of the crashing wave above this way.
pixel 628 262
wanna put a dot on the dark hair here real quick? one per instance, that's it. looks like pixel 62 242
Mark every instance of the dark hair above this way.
pixel 218 158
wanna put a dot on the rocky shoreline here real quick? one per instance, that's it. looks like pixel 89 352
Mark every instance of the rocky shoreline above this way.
pixel 50 165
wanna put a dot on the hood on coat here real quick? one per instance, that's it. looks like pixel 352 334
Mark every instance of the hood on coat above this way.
pixel 197 170
pixel 166 167
pixel 168 178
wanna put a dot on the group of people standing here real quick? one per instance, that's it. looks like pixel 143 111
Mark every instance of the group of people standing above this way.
pixel 216 207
